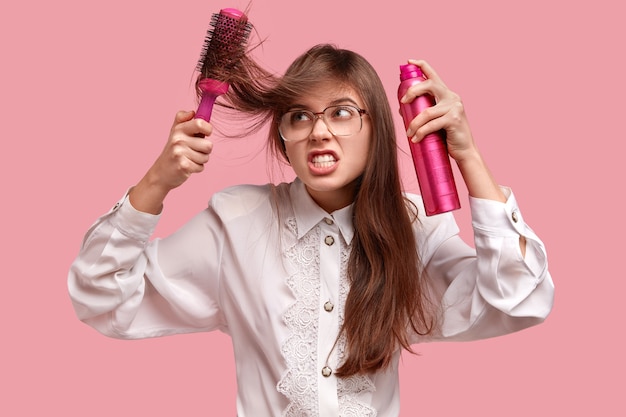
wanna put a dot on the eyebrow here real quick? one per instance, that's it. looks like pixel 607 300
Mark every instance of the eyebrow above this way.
pixel 335 102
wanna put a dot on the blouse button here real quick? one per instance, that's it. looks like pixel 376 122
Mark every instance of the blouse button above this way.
pixel 328 306
pixel 329 240
pixel 328 221
pixel 514 216
pixel 326 372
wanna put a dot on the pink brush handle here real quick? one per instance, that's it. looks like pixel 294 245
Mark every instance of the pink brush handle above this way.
pixel 211 89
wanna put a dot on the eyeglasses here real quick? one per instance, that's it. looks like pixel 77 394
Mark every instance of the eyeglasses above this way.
pixel 344 120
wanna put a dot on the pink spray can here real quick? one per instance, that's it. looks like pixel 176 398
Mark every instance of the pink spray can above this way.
pixel 430 155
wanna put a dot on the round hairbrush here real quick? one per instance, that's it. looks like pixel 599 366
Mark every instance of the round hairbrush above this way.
pixel 224 47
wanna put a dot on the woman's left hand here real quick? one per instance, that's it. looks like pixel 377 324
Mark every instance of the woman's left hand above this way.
pixel 447 114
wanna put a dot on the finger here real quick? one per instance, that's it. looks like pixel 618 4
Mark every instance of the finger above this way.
pixel 201 145
pixel 199 128
pixel 182 160
pixel 421 125
pixel 183 116
pixel 183 144
pixel 433 84
pixel 427 69
pixel 416 90
pixel 449 117
pixel 199 158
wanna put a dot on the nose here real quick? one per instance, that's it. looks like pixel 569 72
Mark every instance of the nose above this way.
pixel 320 131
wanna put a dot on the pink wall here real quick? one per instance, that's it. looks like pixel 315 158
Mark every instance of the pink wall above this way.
pixel 89 91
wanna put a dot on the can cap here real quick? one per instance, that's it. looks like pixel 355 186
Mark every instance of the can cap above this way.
pixel 410 71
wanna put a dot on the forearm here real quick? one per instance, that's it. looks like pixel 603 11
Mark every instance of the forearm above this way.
pixel 478 178
pixel 481 184
pixel 147 196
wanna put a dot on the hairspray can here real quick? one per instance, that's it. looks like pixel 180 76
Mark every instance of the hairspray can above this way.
pixel 430 155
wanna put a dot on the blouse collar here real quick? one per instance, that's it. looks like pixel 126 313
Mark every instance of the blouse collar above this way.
pixel 308 214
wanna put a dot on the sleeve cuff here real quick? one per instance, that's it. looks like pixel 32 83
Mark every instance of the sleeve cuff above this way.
pixel 131 222
pixel 497 218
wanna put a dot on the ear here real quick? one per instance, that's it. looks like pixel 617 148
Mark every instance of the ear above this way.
pixel 284 151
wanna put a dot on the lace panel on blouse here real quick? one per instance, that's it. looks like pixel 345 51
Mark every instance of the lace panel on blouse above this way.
pixel 299 383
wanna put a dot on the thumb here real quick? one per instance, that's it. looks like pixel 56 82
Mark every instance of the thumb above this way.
pixel 183 116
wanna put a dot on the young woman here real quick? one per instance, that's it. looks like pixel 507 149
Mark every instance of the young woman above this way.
pixel 323 281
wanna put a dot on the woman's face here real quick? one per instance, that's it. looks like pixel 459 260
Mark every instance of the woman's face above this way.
pixel 329 165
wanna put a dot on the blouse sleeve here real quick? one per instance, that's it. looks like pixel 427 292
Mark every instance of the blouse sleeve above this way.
pixel 492 289
pixel 126 286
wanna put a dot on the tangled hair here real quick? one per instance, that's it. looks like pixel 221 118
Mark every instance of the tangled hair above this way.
pixel 388 297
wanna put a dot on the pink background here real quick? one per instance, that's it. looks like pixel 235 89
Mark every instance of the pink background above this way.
pixel 88 93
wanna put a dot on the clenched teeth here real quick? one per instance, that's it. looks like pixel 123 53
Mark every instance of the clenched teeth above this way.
pixel 323 161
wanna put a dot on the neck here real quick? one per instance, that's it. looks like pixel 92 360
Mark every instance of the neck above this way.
pixel 334 200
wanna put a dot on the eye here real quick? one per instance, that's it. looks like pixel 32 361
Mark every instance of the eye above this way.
pixel 300 116
pixel 343 112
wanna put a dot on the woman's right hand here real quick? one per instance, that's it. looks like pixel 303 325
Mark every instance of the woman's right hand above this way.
pixel 185 153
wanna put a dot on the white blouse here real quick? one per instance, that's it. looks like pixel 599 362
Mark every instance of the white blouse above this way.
pixel 267 266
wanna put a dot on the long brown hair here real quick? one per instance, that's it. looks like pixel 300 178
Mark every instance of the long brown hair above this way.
pixel 388 291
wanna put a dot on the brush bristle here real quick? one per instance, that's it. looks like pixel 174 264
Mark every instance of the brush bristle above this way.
pixel 224 44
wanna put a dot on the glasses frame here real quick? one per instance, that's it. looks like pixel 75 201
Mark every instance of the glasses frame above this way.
pixel 322 115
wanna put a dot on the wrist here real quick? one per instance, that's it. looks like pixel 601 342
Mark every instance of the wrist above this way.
pixel 467 157
pixel 148 195
pixel 478 179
